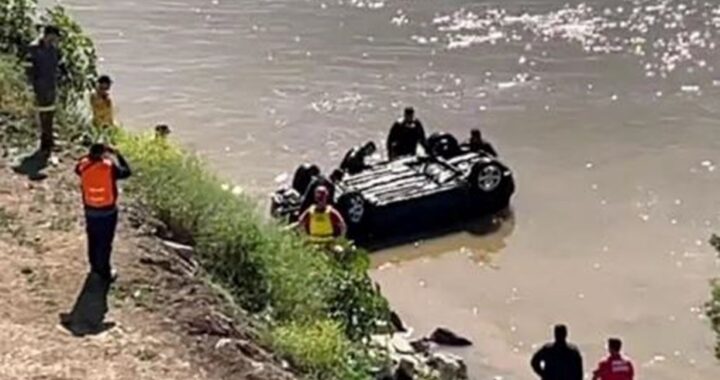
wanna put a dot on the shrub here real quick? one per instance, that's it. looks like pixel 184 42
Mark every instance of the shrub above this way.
pixel 15 100
pixel 267 269
pixel 17 25
pixel 319 349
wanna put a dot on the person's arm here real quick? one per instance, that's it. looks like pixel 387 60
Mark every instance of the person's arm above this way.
pixel 579 374
pixel 537 362
pixel 490 149
pixel 632 370
pixel 339 226
pixel 392 137
pixel 421 136
pixel 77 168
pixel 304 221
pixel 121 167
pixel 598 373
pixel 29 62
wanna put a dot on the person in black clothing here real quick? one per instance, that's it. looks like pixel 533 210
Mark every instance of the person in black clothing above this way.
pixel 321 180
pixel 405 136
pixel 476 144
pixel 44 67
pixel 99 172
pixel 354 161
pixel 559 360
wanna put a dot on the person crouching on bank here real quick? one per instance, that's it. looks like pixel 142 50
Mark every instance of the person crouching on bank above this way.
pixel 99 172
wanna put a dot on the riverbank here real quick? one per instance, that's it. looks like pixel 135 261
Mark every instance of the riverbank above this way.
pixel 168 323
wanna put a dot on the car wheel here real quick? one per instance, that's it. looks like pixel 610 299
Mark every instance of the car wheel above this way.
pixel 354 209
pixel 486 177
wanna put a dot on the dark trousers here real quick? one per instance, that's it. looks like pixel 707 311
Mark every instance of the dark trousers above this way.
pixel 100 227
pixel 45 97
pixel 47 138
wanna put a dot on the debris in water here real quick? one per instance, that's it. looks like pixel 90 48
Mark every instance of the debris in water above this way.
pixel 589 165
pixel 282 177
pixel 225 187
pixel 690 89
pixel 596 266
pixel 644 217
pixel 594 186
pixel 475 311
pixel 422 283
pixel 385 266
pixel 673 221
pixel 614 97
pixel 237 190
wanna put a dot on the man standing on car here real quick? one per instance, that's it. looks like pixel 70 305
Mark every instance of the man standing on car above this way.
pixel 405 136
pixel 558 360
pixel 43 69
pixel 99 172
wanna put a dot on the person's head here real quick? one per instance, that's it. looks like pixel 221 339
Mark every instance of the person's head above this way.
pixel 321 197
pixel 336 175
pixel 51 35
pixel 561 333
pixel 96 152
pixel 409 114
pixel 103 84
pixel 368 149
pixel 475 136
pixel 162 131
pixel 614 345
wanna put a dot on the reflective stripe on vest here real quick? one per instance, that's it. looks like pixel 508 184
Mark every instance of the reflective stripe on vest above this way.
pixel 97 183
pixel 321 227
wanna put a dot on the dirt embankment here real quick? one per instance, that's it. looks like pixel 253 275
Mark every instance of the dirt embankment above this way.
pixel 168 323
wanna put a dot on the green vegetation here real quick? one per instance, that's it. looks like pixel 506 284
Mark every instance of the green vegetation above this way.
pixel 318 308
pixel 320 305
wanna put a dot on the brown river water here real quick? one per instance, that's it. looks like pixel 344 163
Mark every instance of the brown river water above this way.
pixel 607 112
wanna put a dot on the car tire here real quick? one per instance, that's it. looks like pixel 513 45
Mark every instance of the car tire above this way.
pixel 443 145
pixel 355 211
pixel 485 177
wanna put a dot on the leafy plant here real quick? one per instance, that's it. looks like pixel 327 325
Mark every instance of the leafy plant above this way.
pixel 17 26
pixel 319 349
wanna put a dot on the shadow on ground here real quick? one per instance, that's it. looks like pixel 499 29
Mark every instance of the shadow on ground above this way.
pixel 33 165
pixel 88 314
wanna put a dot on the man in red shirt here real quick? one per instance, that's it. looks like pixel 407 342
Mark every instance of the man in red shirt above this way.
pixel 615 367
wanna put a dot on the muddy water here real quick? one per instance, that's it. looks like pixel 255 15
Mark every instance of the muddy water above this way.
pixel 608 114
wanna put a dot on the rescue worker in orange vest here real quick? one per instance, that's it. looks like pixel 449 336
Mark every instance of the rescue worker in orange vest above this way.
pixel 99 172
pixel 321 221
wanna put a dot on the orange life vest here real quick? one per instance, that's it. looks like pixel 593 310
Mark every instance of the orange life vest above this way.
pixel 98 186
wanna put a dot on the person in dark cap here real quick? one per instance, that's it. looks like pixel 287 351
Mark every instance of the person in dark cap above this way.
pixel 44 67
pixel 558 360
pixel 405 136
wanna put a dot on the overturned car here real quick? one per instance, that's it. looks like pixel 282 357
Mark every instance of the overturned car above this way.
pixel 408 195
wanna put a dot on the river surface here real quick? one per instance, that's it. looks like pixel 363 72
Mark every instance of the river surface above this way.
pixel 606 110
